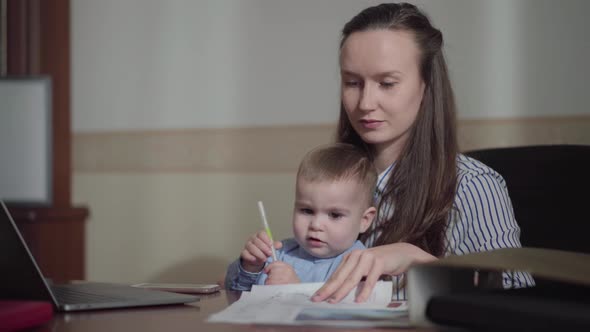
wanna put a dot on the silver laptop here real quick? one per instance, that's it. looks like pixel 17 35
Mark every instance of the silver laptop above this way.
pixel 21 279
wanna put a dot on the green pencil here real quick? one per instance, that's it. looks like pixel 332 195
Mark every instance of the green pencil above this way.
pixel 265 224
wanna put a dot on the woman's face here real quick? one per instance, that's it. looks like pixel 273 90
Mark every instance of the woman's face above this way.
pixel 381 86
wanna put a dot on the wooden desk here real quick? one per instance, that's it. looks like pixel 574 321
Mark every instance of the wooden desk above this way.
pixel 191 317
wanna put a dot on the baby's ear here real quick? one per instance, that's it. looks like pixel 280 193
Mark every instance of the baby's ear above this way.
pixel 367 218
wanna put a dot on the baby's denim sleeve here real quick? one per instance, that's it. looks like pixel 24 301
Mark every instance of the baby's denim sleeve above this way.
pixel 239 279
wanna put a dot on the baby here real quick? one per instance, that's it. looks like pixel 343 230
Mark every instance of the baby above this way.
pixel 333 205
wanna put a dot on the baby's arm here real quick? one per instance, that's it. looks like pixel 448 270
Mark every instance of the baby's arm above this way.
pixel 280 273
pixel 245 271
pixel 256 252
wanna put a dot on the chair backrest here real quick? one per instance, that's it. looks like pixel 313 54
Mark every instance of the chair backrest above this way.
pixel 550 190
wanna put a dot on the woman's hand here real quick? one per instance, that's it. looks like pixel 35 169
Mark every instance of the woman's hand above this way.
pixel 280 273
pixel 256 251
pixel 391 259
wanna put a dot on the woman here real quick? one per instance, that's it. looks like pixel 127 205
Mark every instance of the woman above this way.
pixel 398 104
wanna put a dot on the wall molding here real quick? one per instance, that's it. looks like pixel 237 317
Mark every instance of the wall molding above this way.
pixel 280 148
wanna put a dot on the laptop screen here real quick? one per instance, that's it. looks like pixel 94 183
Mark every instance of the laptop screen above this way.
pixel 20 277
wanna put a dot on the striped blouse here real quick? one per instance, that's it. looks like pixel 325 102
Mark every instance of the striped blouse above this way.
pixel 482 218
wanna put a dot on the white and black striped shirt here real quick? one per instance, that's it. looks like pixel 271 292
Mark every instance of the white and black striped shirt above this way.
pixel 481 219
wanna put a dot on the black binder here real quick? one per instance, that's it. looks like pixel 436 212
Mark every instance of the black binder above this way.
pixel 553 307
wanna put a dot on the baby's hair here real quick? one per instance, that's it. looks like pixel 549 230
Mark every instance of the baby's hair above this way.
pixel 339 161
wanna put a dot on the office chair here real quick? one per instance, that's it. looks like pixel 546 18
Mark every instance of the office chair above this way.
pixel 550 190
pixel 549 187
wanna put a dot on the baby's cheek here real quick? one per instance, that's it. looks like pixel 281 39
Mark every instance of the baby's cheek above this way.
pixel 298 233
pixel 343 241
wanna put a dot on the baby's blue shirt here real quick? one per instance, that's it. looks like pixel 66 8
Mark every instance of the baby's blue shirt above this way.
pixel 307 267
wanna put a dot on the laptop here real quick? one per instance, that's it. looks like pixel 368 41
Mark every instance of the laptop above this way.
pixel 21 279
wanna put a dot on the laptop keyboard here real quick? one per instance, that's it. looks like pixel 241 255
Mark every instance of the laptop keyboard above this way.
pixel 73 296
pixel 95 295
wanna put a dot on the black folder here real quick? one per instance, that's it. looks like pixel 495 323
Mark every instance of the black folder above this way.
pixel 553 307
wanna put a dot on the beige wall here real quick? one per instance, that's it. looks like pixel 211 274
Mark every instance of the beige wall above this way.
pixel 150 64
pixel 170 204
pixel 178 205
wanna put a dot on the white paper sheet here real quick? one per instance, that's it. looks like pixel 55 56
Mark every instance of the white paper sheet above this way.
pixel 291 305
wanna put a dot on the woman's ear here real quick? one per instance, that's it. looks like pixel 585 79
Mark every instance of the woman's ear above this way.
pixel 367 218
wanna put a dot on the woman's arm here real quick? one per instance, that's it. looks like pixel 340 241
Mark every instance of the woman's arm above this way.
pixel 391 259
pixel 484 220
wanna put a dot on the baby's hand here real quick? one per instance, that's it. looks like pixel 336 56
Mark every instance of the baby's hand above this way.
pixel 256 251
pixel 280 273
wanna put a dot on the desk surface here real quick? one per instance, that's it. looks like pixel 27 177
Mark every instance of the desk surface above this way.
pixel 191 317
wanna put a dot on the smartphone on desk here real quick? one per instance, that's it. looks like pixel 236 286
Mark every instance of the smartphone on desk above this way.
pixel 181 288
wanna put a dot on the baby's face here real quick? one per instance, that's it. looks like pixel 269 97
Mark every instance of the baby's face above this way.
pixel 329 215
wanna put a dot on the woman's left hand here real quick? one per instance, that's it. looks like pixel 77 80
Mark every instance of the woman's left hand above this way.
pixel 391 259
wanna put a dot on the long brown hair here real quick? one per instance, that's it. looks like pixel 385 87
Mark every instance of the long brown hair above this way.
pixel 423 182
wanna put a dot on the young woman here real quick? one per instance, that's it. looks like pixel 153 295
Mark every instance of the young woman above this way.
pixel 398 104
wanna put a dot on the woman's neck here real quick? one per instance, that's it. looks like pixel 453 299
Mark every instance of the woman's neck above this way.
pixel 385 155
